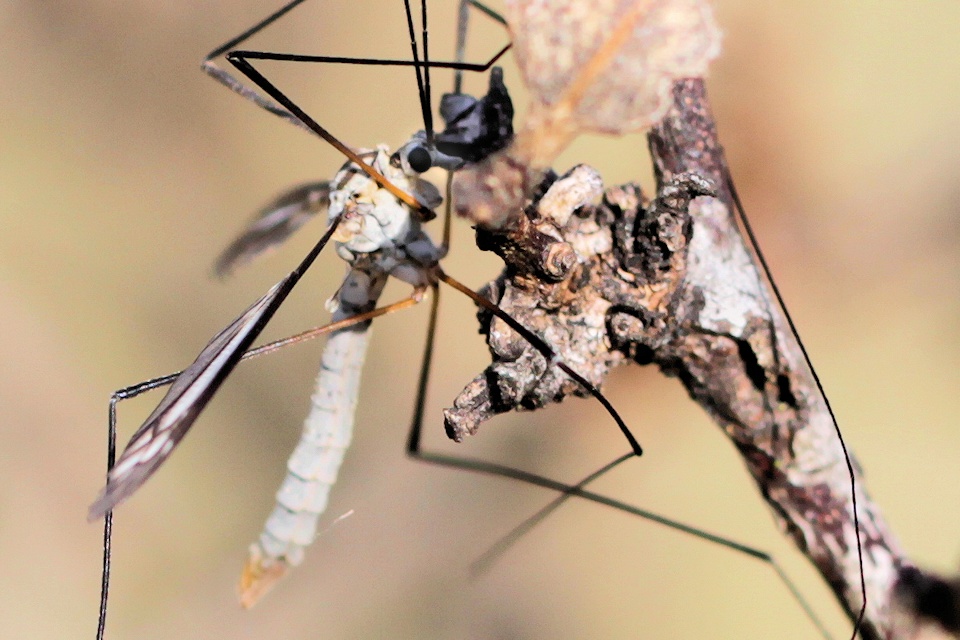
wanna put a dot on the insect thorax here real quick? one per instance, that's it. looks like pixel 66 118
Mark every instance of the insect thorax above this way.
pixel 378 233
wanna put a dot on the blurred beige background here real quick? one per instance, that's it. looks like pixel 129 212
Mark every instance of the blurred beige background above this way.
pixel 123 171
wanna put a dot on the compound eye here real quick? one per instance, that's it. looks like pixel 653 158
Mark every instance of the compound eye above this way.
pixel 419 159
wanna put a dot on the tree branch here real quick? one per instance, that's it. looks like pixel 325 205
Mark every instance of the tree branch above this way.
pixel 672 282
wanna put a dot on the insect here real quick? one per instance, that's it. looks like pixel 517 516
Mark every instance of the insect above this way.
pixel 252 318
pixel 371 202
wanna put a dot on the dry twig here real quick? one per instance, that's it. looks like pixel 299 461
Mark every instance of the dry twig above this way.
pixel 607 278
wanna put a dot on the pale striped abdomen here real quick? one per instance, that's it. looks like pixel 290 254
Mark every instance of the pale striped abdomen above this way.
pixel 313 466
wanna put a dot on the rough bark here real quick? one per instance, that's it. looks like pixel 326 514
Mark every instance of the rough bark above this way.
pixel 672 282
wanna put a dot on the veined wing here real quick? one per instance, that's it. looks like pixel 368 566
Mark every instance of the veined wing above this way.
pixel 165 427
pixel 276 221
pixel 189 394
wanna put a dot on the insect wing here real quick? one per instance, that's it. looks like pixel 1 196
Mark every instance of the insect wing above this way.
pixel 275 222
pixel 165 427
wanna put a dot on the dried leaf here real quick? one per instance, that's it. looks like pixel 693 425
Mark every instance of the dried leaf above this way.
pixel 599 66
pixel 664 40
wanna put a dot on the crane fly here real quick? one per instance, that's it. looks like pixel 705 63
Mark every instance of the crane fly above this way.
pixel 375 206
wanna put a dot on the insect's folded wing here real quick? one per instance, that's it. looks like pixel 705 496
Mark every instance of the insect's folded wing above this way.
pixel 165 427
pixel 275 222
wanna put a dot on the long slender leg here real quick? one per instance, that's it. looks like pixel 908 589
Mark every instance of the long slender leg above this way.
pixel 741 214
pixel 240 62
pixel 423 381
pixel 549 353
pixel 447 214
pixel 415 451
pixel 154 383
pixel 107 523
pixel 161 381
pixel 567 491
pixel 210 67
pixel 422 86
pixel 748 228
pixel 463 17
pixel 577 490
pixel 487 11
pixel 428 122
pixel 369 62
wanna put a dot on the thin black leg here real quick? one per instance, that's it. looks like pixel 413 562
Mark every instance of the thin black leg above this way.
pixel 748 228
pixel 463 17
pixel 566 491
pixel 210 67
